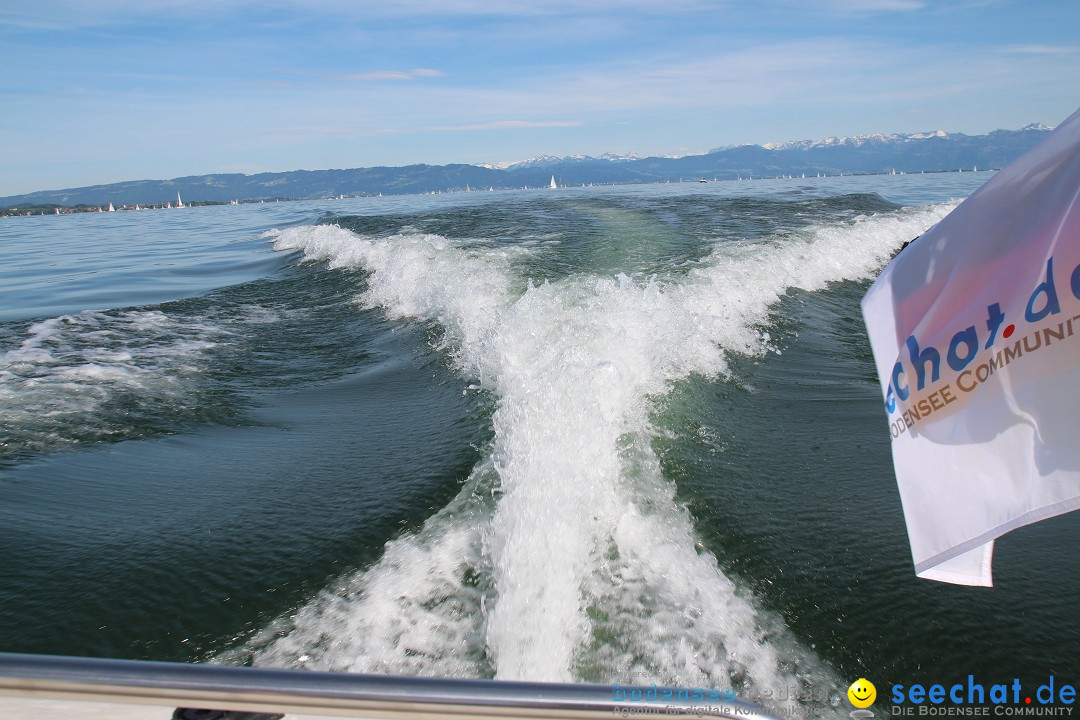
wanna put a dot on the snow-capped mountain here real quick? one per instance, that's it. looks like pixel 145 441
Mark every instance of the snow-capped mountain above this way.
pixel 533 162
pixel 879 142
pixel 855 141
pixel 542 161
pixel 934 151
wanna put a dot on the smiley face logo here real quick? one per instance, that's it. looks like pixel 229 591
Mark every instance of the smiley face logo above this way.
pixel 862 693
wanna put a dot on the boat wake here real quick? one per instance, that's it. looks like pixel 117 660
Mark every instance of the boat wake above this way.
pixel 567 556
pixel 98 376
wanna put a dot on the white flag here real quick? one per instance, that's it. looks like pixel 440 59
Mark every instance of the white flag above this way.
pixel 975 329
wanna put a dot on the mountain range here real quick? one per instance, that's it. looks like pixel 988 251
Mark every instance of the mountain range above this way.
pixel 936 151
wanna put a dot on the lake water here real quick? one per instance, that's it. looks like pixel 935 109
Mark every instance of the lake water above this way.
pixel 620 434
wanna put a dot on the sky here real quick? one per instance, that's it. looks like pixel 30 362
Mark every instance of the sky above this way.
pixel 113 90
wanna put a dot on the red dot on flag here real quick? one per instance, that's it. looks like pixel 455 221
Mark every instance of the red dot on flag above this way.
pixel 1007 333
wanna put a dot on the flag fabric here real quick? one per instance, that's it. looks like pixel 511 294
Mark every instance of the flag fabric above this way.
pixel 975 329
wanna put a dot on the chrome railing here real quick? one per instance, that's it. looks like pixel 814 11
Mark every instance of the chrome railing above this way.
pixel 266 690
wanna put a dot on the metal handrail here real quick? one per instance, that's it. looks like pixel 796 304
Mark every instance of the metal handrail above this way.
pixel 270 690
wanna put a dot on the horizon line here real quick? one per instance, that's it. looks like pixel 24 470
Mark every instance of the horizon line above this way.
pixel 507 166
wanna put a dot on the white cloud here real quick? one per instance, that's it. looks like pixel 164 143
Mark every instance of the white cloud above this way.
pixel 505 125
pixel 1042 49
pixel 391 75
pixel 873 6
pixel 60 14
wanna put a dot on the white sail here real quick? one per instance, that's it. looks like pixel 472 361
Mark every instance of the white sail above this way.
pixel 553 185
pixel 179 202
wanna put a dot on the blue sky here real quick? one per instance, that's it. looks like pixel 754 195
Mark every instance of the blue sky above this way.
pixel 110 90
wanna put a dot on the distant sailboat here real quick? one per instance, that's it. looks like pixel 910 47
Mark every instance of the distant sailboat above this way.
pixel 111 208
pixel 553 185
pixel 179 202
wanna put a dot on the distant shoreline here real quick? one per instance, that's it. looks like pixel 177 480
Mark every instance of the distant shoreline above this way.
pixel 54 209
pixel 862 155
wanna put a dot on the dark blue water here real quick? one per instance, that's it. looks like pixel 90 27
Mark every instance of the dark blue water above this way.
pixel 588 434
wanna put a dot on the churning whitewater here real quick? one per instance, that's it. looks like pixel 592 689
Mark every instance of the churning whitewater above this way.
pixel 612 435
pixel 92 376
pixel 566 556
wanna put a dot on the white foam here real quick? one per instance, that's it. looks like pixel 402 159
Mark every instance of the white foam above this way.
pixel 55 383
pixel 419 611
pixel 421 276
pixel 584 541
